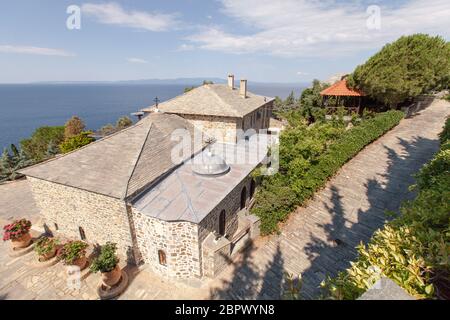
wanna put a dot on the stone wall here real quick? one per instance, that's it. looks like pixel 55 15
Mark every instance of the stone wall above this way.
pixel 66 209
pixel 182 241
pixel 178 240
pixel 232 206
pixel 258 119
pixel 225 127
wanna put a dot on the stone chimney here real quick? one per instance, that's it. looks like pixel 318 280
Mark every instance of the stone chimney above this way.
pixel 243 89
pixel 231 81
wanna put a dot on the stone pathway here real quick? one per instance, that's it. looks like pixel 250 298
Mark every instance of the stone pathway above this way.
pixel 17 202
pixel 317 240
pixel 320 238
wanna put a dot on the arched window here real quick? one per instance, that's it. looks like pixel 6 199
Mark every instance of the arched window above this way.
pixel 222 223
pixel 243 198
pixel 252 188
pixel 82 233
pixel 162 258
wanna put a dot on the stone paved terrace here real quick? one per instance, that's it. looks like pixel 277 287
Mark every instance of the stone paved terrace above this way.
pixel 318 239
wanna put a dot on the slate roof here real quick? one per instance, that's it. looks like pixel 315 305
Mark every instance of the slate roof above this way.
pixel 186 196
pixel 122 164
pixel 213 100
pixel 340 88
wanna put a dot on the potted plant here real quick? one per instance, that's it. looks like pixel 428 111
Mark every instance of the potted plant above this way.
pixel 19 233
pixel 74 253
pixel 107 263
pixel 46 248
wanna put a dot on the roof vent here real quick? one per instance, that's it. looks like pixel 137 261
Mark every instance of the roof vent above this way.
pixel 210 164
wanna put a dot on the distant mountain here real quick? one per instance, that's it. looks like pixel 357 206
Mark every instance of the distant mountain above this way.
pixel 178 81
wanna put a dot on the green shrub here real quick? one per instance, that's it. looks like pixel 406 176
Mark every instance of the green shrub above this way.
pixel 414 249
pixel 107 259
pixel 72 251
pixel 45 245
pixel 123 122
pixel 37 146
pixel 11 163
pixel 309 156
pixel 76 142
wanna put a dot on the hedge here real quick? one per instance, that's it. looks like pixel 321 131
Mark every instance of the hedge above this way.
pixel 280 194
pixel 414 249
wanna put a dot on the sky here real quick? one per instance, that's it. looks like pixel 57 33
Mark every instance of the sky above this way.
pixel 261 40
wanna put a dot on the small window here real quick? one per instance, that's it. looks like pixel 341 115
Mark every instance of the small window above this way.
pixel 243 198
pixel 252 188
pixel 82 233
pixel 162 258
pixel 222 223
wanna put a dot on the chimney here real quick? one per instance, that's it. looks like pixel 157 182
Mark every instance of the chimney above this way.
pixel 231 81
pixel 243 89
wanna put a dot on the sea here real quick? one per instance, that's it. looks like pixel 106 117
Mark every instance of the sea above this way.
pixel 25 107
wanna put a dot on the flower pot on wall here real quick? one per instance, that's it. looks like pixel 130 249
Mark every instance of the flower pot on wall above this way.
pixel 111 278
pixel 22 241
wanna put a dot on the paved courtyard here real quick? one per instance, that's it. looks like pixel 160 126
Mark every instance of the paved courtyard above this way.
pixel 317 240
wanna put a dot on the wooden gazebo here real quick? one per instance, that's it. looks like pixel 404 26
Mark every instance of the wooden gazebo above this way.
pixel 348 97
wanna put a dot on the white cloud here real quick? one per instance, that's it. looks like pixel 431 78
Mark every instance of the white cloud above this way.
pixel 186 47
pixel 319 28
pixel 301 73
pixel 35 51
pixel 113 13
pixel 137 60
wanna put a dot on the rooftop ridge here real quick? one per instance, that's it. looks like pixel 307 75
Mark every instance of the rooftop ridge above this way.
pixel 125 194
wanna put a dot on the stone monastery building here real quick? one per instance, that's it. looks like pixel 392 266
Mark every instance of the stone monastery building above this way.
pixel 183 218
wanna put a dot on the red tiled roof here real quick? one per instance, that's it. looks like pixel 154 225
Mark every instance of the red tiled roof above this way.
pixel 340 88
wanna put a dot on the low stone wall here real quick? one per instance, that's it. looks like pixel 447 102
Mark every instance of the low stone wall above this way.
pixel 66 209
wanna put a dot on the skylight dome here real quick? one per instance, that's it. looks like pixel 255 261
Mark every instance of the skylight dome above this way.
pixel 210 164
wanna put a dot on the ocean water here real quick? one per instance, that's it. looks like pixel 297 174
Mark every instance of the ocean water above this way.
pixel 23 108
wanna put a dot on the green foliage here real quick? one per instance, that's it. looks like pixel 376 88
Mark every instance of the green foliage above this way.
pixel 290 100
pixel 72 251
pixel 37 146
pixel 107 129
pixel 309 156
pixel 410 66
pixel 207 82
pixel 123 122
pixel 107 259
pixel 76 142
pixel 414 249
pixel 311 102
pixel 11 162
pixel 45 245
pixel 74 126
pixel 187 89
pixel 293 287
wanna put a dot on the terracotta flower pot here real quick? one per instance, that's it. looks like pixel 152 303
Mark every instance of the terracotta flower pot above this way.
pixel 47 256
pixel 111 278
pixel 21 242
pixel 80 262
